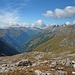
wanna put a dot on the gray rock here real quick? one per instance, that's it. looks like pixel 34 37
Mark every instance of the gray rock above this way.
pixel 60 68
pixel 38 72
pixel 48 73
pixel 4 65
pixel 59 72
pixel 53 64
pixel 68 63
pixel 24 63
pixel 2 70
pixel 73 63
pixel 73 72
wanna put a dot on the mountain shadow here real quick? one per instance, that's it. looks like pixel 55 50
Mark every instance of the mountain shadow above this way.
pixel 6 49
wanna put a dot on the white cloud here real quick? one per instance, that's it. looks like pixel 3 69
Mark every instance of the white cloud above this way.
pixel 74 22
pixel 17 24
pixel 10 19
pixel 67 23
pixel 39 24
pixel 53 23
pixel 24 24
pixel 7 18
pixel 67 12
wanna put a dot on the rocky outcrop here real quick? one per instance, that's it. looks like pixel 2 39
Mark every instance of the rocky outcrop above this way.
pixel 24 63
pixel 28 64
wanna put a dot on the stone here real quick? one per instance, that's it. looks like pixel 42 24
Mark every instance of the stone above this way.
pixel 38 72
pixel 4 65
pixel 60 68
pixel 59 72
pixel 34 64
pixel 24 63
pixel 73 64
pixel 68 63
pixel 48 74
pixel 2 70
pixel 53 64
pixel 73 72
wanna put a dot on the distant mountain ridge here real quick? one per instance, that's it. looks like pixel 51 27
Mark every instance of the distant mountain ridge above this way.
pixel 54 38
pixel 16 36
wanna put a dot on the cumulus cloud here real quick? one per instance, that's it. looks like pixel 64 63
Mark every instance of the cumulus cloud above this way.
pixel 67 23
pixel 10 19
pixel 67 12
pixel 39 24
pixel 53 24
pixel 17 24
pixel 24 24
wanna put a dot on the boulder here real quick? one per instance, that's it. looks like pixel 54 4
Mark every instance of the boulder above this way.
pixel 68 63
pixel 38 72
pixel 53 64
pixel 73 72
pixel 73 63
pixel 4 65
pixel 24 63
pixel 59 72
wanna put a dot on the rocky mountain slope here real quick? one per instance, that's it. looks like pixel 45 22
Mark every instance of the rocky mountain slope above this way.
pixel 38 63
pixel 54 38
pixel 53 53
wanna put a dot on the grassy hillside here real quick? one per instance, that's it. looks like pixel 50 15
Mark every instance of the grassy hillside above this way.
pixel 53 38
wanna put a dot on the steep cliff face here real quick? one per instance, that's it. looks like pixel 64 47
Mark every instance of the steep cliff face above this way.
pixel 6 49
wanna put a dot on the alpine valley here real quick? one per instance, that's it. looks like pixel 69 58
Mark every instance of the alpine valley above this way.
pixel 16 36
pixel 52 39
pixel 34 51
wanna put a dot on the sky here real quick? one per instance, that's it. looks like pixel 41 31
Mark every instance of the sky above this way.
pixel 36 13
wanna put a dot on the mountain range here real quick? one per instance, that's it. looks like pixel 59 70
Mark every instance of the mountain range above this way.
pixel 52 39
pixel 16 36
pixel 55 38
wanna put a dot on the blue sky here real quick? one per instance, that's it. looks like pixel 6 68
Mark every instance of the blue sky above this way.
pixel 37 12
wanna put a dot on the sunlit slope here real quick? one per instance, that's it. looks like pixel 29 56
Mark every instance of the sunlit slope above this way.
pixel 53 38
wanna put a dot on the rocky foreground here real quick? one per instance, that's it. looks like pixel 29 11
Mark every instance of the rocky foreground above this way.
pixel 38 63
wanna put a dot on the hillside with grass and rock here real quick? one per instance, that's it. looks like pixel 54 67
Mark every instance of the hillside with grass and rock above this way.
pixel 53 39
pixel 50 52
